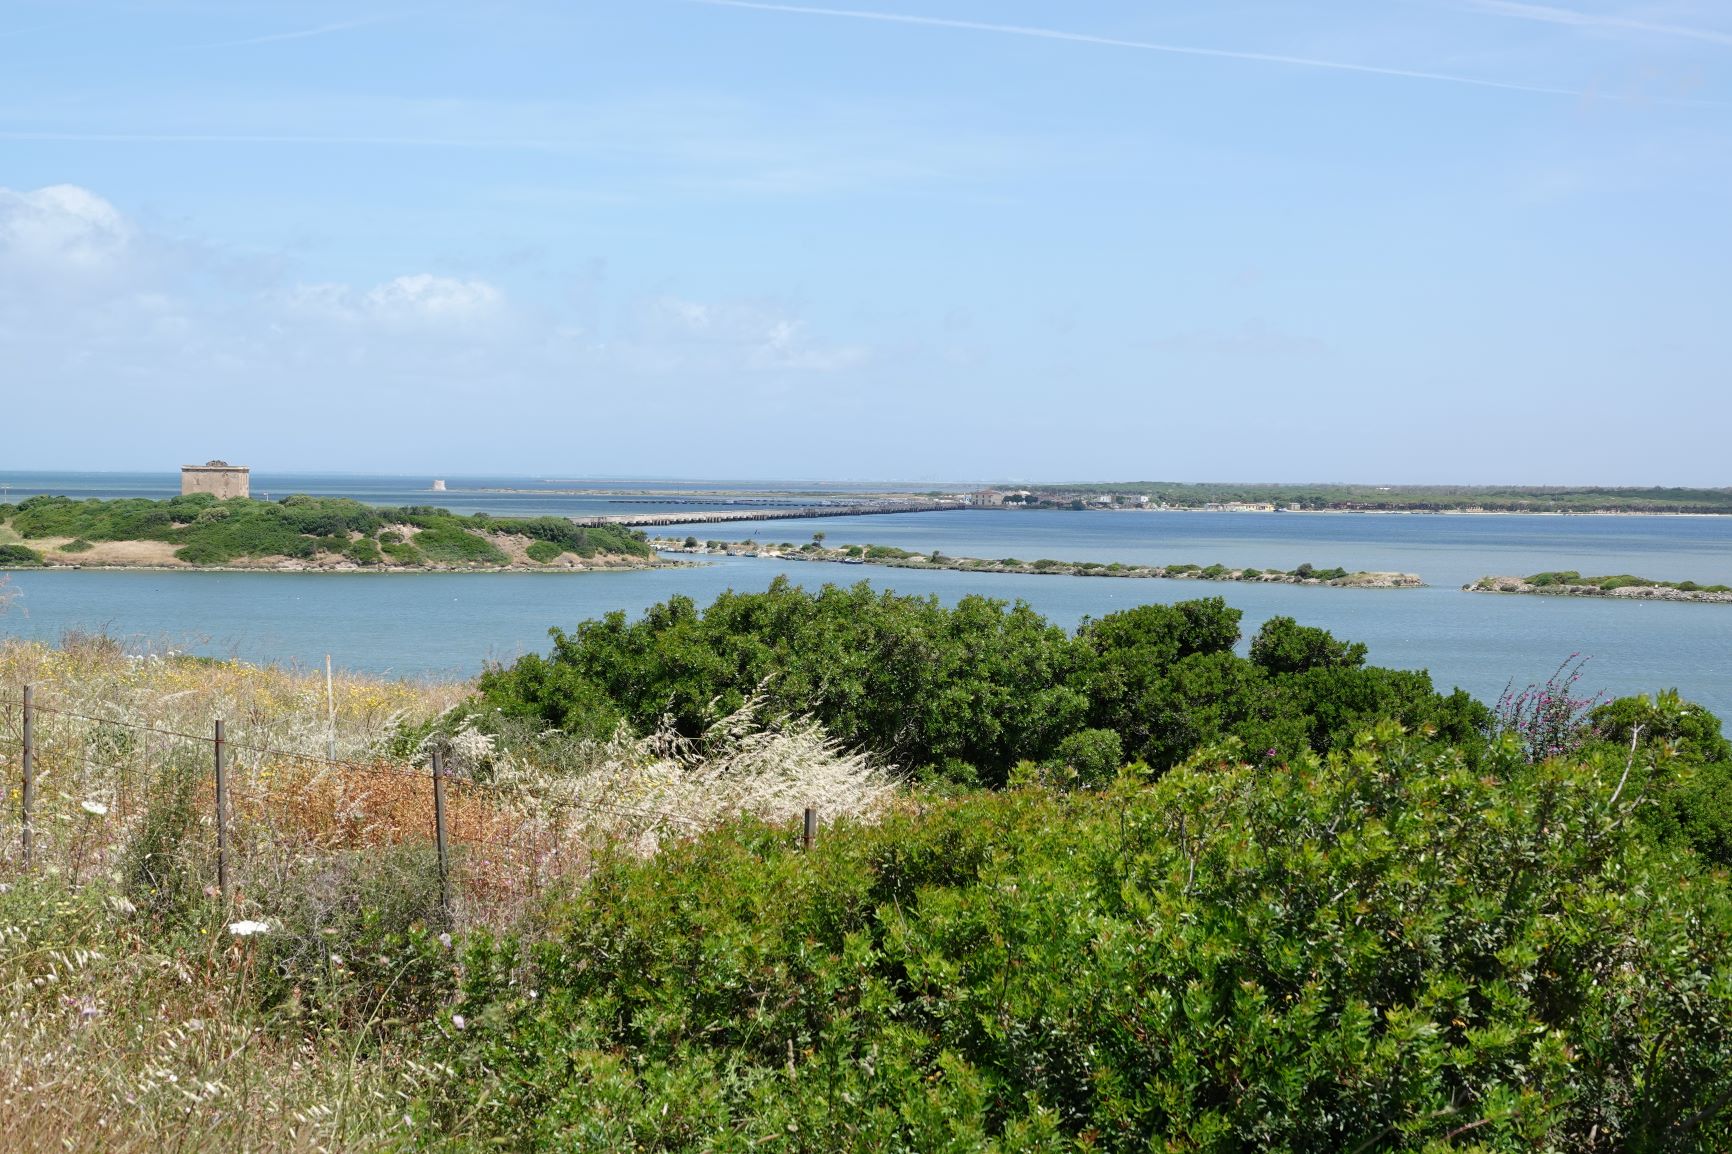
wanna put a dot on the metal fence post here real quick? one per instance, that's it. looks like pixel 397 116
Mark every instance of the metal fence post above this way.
pixel 809 833
pixel 27 795
pixel 222 818
pixel 439 833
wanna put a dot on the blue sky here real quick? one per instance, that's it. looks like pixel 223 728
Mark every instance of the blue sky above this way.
pixel 1402 240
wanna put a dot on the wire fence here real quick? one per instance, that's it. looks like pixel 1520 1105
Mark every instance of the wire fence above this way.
pixel 83 787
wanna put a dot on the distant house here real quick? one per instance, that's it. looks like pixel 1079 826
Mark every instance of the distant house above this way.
pixel 988 499
pixel 218 478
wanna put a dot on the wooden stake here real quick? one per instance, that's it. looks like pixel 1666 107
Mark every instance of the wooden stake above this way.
pixel 27 797
pixel 330 713
pixel 222 818
pixel 439 834
pixel 810 833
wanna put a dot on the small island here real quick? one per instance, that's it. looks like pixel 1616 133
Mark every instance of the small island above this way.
pixel 896 558
pixel 301 534
pixel 1569 583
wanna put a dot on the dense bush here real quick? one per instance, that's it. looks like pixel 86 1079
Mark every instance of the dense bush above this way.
pixel 971 691
pixel 546 552
pixel 1386 950
pixel 19 555
pixel 452 544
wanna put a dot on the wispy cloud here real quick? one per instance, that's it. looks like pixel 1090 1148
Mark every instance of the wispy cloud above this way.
pixel 297 34
pixel 1551 14
pixel 510 144
pixel 1143 45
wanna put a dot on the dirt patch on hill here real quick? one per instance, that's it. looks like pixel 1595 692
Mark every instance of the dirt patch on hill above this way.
pixel 111 553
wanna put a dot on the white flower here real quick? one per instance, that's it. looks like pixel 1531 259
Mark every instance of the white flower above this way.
pixel 459 1021
pixel 246 929
pixel 95 808
pixel 445 940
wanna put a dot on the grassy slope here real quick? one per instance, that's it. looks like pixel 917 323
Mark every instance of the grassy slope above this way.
pixel 204 531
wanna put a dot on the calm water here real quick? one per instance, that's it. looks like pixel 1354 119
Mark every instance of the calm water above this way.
pixel 448 624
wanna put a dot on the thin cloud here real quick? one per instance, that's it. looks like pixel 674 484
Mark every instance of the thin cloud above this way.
pixel 1551 14
pixel 508 144
pixel 1143 45
pixel 298 34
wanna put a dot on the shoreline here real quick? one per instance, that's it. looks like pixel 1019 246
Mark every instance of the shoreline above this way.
pixel 903 559
pixel 343 570
pixel 1522 587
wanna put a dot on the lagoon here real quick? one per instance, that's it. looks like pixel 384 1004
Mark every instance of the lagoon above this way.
pixel 448 624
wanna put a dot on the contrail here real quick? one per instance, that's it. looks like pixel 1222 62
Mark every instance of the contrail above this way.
pixel 503 143
pixel 1551 14
pixel 300 34
pixel 1144 45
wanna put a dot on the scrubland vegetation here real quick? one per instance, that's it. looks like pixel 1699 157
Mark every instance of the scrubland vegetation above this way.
pixel 1123 890
pixel 1569 583
pixel 203 530
pixel 898 558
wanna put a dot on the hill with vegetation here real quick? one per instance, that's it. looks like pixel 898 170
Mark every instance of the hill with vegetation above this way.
pixel 1115 889
pixel 1397 498
pixel 299 532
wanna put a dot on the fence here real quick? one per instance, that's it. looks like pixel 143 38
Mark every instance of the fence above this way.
pixel 487 841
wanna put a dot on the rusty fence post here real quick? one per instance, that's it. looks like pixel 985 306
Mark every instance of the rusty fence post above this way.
pixel 439 834
pixel 27 793
pixel 222 816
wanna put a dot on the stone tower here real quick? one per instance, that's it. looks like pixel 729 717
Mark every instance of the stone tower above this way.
pixel 218 478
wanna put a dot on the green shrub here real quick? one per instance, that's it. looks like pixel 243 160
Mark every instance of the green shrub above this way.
pixel 364 551
pixel 78 546
pixel 355 935
pixel 403 553
pixel 165 864
pixel 16 556
pixel 1386 950
pixel 453 545
pixel 545 552
pixel 1091 757
pixel 982 685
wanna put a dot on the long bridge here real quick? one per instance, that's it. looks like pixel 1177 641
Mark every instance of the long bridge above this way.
pixel 713 516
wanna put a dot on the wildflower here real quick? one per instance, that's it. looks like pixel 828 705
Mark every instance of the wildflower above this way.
pixel 445 940
pixel 247 928
pixel 459 1021
pixel 95 808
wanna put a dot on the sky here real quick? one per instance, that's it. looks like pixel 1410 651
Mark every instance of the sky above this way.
pixel 1358 240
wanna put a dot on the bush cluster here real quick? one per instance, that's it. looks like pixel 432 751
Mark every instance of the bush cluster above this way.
pixel 1618 581
pixel 968 692
pixel 1384 949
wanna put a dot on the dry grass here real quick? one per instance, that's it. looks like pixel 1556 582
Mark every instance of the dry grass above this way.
pixel 113 1037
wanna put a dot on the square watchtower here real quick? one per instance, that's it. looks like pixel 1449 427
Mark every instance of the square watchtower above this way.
pixel 218 478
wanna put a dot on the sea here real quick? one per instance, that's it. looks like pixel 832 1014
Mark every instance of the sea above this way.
pixel 450 625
